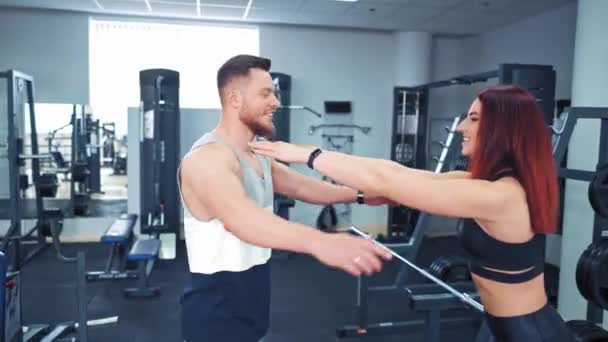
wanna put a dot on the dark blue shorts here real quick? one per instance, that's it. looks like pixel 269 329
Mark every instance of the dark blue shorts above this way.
pixel 227 306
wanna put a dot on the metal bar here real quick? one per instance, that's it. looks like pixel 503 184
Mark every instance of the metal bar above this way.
pixel 82 297
pixel 582 175
pixel 15 209
pixel 362 300
pixel 363 129
pixel 297 107
pixel 463 296
pixel 3 289
pixel 589 112
pixel 387 328
pixel 465 79
pixel 35 156
pixel 433 320
pixel 19 74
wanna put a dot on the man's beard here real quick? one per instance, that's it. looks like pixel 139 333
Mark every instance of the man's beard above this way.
pixel 256 125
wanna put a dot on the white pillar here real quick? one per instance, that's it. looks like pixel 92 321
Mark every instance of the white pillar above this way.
pixel 414 58
pixel 589 89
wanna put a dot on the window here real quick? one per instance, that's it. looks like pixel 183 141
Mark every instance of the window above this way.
pixel 120 49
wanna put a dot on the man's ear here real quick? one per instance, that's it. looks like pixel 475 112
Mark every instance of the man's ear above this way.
pixel 234 98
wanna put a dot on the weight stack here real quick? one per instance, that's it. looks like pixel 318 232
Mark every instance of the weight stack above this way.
pixel 159 149
pixel 281 120
pixel 408 148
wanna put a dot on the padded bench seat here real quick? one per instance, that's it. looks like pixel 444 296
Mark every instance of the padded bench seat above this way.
pixel 120 231
pixel 144 250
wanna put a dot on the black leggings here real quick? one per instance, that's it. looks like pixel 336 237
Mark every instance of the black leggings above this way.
pixel 541 326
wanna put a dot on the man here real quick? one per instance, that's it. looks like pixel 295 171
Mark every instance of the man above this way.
pixel 229 225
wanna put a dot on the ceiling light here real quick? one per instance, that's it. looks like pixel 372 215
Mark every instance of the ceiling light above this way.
pixel 98 4
pixel 247 9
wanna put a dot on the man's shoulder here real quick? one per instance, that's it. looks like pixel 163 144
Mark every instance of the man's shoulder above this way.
pixel 212 155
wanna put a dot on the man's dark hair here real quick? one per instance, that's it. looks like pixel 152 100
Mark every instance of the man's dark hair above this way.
pixel 239 66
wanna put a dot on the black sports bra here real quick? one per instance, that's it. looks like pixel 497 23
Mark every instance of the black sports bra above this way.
pixel 525 260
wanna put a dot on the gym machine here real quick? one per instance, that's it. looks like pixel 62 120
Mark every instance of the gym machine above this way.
pixel 406 226
pixel 281 120
pixel 85 159
pixel 431 300
pixel 159 140
pixel 590 265
pixel 589 270
pixel 410 125
pixel 85 163
pixel 49 221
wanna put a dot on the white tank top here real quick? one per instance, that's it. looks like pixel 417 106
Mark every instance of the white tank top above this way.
pixel 210 247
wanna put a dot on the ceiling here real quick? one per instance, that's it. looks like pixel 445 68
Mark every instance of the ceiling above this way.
pixel 450 17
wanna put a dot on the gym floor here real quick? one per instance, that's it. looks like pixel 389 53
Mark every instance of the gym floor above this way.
pixel 309 300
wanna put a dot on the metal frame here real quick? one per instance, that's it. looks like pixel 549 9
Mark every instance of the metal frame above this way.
pixel 407 249
pixel 20 84
pixel 594 313
pixel 159 152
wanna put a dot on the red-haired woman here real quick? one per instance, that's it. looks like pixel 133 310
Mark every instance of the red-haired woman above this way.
pixel 509 199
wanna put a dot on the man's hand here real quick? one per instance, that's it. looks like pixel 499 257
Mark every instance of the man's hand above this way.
pixel 352 254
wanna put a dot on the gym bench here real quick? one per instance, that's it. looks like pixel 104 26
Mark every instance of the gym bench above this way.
pixel 120 236
pixel 144 252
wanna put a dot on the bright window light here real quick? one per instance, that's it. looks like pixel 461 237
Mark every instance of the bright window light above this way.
pixel 119 50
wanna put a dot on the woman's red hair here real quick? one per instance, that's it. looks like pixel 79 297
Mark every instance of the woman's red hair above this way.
pixel 513 135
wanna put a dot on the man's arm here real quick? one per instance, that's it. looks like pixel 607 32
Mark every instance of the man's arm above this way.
pixel 210 177
pixel 308 189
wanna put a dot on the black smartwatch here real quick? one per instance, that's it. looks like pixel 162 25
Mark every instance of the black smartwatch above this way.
pixel 313 155
pixel 360 197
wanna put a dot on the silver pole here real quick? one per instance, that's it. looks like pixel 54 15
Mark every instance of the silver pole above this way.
pixel 463 296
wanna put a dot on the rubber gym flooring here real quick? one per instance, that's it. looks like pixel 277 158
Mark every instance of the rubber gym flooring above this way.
pixel 309 300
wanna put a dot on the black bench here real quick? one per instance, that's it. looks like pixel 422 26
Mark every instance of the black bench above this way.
pixel 432 299
pixel 145 253
pixel 120 236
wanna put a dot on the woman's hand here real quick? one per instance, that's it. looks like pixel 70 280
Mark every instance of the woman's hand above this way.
pixel 282 151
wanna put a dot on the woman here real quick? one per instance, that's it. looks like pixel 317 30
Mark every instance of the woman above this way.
pixel 509 199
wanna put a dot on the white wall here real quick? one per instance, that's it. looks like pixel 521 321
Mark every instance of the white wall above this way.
pixel 344 65
pixel 53 47
pixel 544 39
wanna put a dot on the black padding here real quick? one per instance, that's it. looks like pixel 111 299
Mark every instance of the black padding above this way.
pixel 145 249
pixel 598 191
pixel 48 184
pixel 120 230
pixel 53 213
pixel 586 331
pixel 80 172
pixel 58 159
